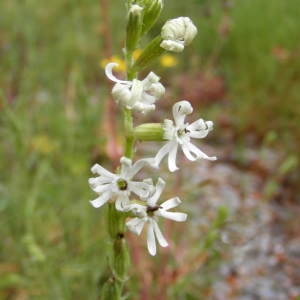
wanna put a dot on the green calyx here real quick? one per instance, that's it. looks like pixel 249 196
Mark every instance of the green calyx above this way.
pixel 152 10
pixel 149 132
pixel 149 54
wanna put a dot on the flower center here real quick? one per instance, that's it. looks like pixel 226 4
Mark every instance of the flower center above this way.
pixel 182 132
pixel 122 184
pixel 152 209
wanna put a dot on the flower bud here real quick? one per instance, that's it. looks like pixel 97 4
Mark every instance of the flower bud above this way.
pixel 177 33
pixel 152 10
pixel 134 27
pixel 111 290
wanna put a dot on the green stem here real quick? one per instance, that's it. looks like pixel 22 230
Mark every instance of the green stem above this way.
pixel 120 259
pixel 129 138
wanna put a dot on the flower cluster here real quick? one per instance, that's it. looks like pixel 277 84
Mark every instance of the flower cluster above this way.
pixel 139 199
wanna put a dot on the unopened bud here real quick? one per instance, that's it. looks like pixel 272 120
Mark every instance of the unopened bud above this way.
pixel 152 10
pixel 134 27
pixel 111 290
pixel 177 33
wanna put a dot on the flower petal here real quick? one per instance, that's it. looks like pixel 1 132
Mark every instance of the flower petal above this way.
pixel 136 92
pixel 137 166
pixel 200 128
pixel 151 244
pixel 126 165
pixel 163 151
pixel 151 201
pixel 192 148
pixel 136 225
pixel 174 46
pixel 93 182
pixel 108 72
pixel 141 189
pixel 160 238
pixel 98 202
pixel 101 188
pixel 187 152
pixel 97 169
pixel 175 216
pixel 180 110
pixel 172 157
pixel 122 203
pixel 171 203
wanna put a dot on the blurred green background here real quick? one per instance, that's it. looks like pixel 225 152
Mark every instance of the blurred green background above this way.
pixel 242 71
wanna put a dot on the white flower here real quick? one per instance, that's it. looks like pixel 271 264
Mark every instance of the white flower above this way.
pixel 118 186
pixel 177 33
pixel 149 214
pixel 137 94
pixel 180 134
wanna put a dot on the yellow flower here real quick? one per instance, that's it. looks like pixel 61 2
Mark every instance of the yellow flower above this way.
pixel 116 59
pixel 136 53
pixel 168 60
pixel 43 144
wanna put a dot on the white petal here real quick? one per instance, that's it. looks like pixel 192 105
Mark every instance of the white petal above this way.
pixel 98 202
pixel 97 169
pixel 141 189
pixel 175 216
pixel 138 210
pixel 137 166
pixel 121 94
pixel 171 203
pixel 126 165
pixel 199 153
pixel 143 107
pixel 136 92
pixel 150 79
pixel 136 225
pixel 200 128
pixel 163 151
pixel 160 238
pixel 180 110
pixel 108 72
pixel 148 181
pixel 122 203
pixel 158 190
pixel 187 152
pixel 151 244
pixel 174 46
pixel 157 90
pixel 93 182
pixel 102 188
pixel 172 158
